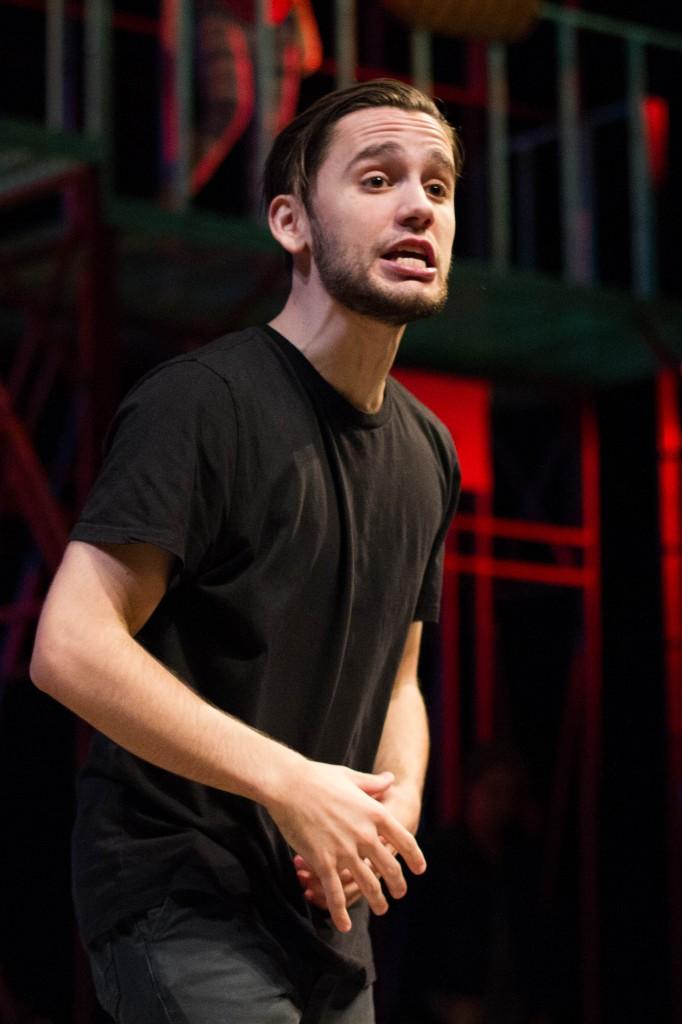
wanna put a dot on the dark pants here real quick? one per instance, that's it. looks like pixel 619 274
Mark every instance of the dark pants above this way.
pixel 192 962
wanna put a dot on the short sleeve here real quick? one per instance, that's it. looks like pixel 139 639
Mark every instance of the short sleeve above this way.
pixel 169 465
pixel 428 603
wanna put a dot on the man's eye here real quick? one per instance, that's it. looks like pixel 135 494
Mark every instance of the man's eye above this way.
pixel 438 189
pixel 376 181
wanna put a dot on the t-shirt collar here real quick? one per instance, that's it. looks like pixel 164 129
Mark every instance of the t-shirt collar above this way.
pixel 334 403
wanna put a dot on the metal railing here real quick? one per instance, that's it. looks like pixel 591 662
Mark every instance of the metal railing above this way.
pixel 509 154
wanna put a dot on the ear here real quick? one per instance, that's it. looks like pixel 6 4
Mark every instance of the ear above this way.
pixel 289 223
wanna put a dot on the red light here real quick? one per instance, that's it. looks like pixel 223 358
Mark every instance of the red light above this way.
pixel 657 121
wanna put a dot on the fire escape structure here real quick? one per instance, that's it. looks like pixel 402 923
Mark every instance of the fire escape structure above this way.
pixel 81 261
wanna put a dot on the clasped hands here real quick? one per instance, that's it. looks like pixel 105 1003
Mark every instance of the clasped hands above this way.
pixel 349 828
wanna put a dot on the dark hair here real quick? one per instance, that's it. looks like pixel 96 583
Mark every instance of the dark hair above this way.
pixel 298 151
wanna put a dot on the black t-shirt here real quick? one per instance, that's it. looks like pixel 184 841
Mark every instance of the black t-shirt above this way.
pixel 308 535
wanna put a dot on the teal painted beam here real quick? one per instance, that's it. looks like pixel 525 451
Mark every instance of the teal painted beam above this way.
pixel 54 59
pixel 266 58
pixel 345 42
pixel 598 23
pixel 421 53
pixel 570 146
pixel 498 158
pixel 99 127
pixel 642 227
pixel 183 84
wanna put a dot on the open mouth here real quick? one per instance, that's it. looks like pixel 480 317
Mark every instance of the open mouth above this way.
pixel 411 254
pixel 412 259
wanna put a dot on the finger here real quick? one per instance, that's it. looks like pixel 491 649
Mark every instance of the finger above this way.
pixel 314 887
pixel 352 893
pixel 316 898
pixel 390 870
pixel 335 898
pixel 405 844
pixel 370 886
pixel 374 785
pixel 314 893
pixel 313 882
pixel 389 846
pixel 307 877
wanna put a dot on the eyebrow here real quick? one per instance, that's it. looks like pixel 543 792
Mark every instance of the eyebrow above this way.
pixel 384 149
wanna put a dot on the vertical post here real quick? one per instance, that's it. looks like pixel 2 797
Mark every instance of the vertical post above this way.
pixel 54 81
pixel 589 237
pixel 567 755
pixel 644 269
pixel 265 91
pixel 498 156
pixel 569 152
pixel 484 629
pixel 183 85
pixel 590 787
pixel 95 388
pixel 422 60
pixel 525 209
pixel 98 78
pixel 450 686
pixel 345 43
pixel 670 518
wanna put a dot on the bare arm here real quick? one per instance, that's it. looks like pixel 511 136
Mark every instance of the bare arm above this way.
pixel 403 751
pixel 87 658
pixel 404 746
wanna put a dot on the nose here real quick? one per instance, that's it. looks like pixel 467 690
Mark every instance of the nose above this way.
pixel 415 207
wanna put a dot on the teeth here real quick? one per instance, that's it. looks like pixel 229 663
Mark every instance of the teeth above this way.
pixel 412 262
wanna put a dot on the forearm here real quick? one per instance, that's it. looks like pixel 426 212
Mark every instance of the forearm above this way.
pixel 86 656
pixel 404 746
pixel 114 684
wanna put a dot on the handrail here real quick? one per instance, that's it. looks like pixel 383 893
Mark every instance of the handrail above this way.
pixel 54 58
pixel 633 31
pixel 573 129
pixel 574 17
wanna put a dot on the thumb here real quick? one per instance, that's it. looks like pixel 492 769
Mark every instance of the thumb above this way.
pixel 373 785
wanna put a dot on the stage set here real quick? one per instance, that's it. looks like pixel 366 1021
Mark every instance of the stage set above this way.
pixel 131 136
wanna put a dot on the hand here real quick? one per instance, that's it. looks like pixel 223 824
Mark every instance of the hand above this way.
pixel 333 817
pixel 404 804
pixel 312 886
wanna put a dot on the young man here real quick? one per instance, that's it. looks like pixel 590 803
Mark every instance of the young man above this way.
pixel 239 610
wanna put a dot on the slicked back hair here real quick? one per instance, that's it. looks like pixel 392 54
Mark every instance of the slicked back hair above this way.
pixel 299 150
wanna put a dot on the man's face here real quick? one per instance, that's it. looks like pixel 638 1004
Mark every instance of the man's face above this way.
pixel 382 214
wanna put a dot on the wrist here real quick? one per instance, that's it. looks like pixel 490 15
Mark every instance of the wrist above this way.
pixel 280 778
pixel 405 802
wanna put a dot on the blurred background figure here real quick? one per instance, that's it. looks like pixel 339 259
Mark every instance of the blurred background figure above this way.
pixel 226 81
pixel 476 946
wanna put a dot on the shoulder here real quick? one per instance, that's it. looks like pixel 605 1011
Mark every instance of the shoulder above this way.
pixel 233 353
pixel 206 365
pixel 205 378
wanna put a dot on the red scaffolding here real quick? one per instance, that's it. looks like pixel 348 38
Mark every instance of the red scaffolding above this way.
pixel 465 407
pixel 46 274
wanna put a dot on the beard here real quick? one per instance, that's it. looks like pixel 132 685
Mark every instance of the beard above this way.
pixel 348 282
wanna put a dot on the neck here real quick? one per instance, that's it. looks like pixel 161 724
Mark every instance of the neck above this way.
pixel 352 352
